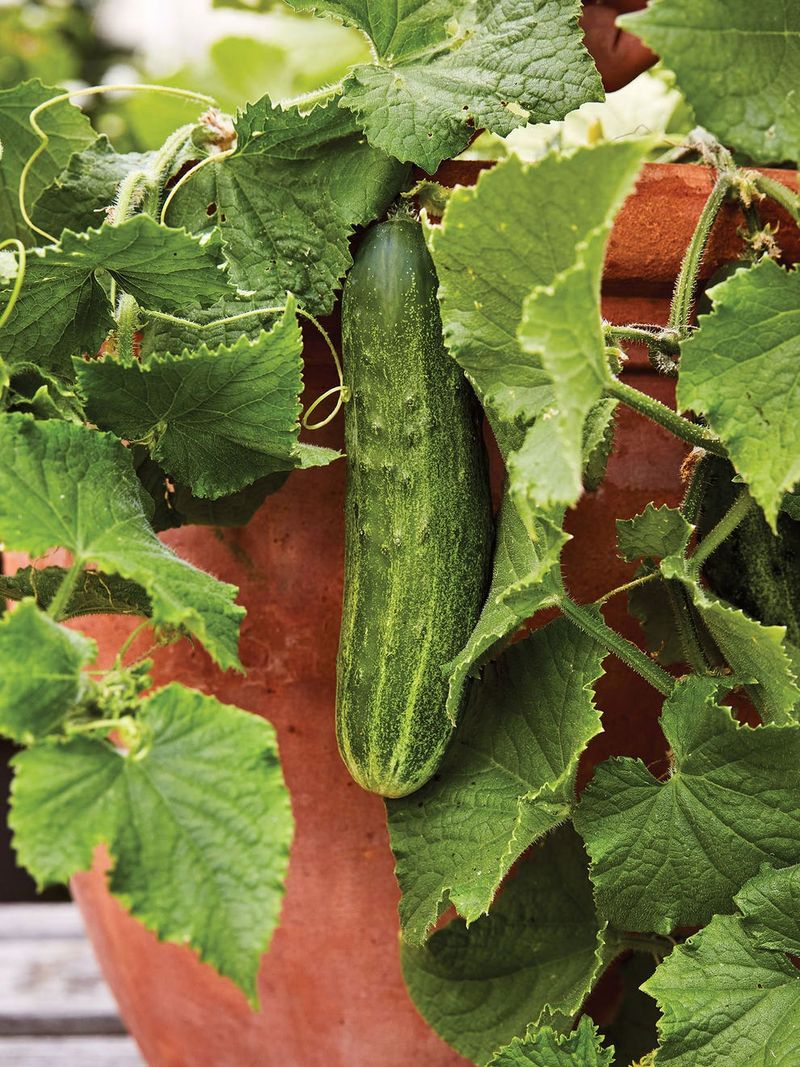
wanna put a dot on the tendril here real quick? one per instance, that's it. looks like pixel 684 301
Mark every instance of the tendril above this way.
pixel 17 287
pixel 94 90
pixel 341 389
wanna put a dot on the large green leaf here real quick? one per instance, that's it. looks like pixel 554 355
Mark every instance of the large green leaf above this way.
pixel 215 420
pixel 736 62
pixel 196 817
pixel 540 949
pixel 68 131
pixel 286 202
pixel 41 677
pixel 726 1000
pixel 671 853
pixel 502 63
pixel 740 371
pixel 66 485
pixel 498 242
pixel 508 777
pixel 561 330
pixel 545 1047
pixel 62 310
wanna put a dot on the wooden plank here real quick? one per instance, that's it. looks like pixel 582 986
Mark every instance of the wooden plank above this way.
pixel 21 921
pixel 69 1052
pixel 49 980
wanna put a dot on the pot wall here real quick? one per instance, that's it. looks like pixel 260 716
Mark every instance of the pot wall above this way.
pixel 331 990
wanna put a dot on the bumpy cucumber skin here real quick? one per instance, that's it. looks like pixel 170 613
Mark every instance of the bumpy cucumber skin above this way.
pixel 418 522
pixel 753 569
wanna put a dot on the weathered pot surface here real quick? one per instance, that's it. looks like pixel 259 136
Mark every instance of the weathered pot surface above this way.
pixel 331 989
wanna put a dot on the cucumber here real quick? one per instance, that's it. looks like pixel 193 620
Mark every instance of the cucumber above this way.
pixel 418 522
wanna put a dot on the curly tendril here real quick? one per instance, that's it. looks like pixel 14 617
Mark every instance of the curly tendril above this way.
pixel 93 90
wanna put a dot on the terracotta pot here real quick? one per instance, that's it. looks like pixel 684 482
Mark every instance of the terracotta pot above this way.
pixel 331 989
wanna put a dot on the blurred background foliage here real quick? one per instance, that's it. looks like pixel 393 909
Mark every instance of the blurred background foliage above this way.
pixel 238 50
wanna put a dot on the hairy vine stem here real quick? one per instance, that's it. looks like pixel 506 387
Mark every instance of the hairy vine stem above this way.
pixel 589 619
pixel 652 336
pixel 656 411
pixel 635 583
pixel 127 325
pixel 736 513
pixel 683 296
pixel 789 201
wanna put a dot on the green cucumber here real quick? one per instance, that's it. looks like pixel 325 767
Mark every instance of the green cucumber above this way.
pixel 418 525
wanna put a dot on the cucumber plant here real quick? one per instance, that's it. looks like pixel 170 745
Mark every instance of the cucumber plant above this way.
pixel 150 376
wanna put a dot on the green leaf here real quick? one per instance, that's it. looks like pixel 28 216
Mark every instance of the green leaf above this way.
pixel 726 1002
pixel 539 948
pixel 215 420
pixel 42 395
pixel 755 653
pixel 671 853
pixel 81 194
pixel 497 242
pixel 95 593
pixel 68 131
pixel 62 310
pixel 199 852
pixel 545 1047
pixel 161 336
pixel 526 576
pixel 496 70
pixel 63 804
pixel 598 442
pixel 740 371
pixel 655 533
pixel 41 677
pixel 287 201
pixel 66 485
pixel 175 505
pixel 508 777
pixel 394 29
pixel 769 903
pixel 561 330
pixel 721 51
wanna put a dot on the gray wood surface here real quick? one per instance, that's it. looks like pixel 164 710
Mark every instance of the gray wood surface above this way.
pixel 55 1008
pixel 69 1052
